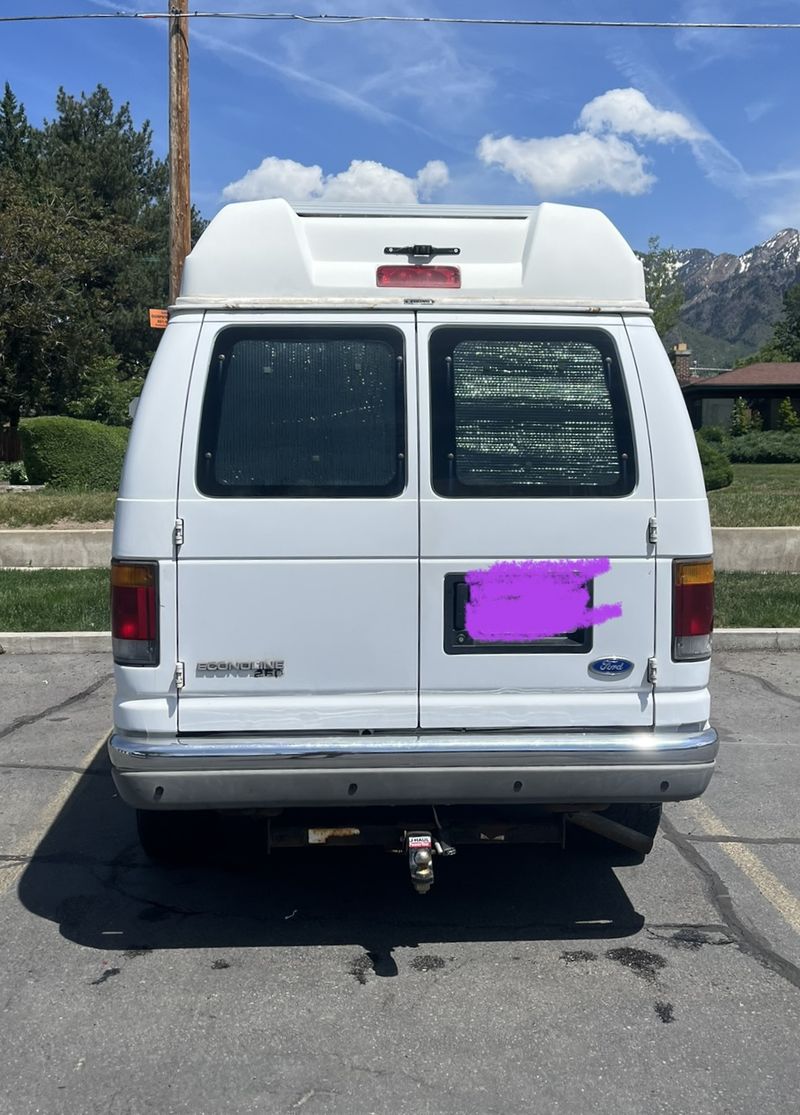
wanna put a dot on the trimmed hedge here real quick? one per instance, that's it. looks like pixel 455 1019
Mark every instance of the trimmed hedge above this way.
pixel 72 453
pixel 716 435
pixel 762 447
pixel 717 471
pixel 773 447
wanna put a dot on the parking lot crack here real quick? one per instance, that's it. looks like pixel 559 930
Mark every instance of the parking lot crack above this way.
pixel 747 938
pixel 768 685
pixel 404 1074
pixel 26 721
pixel 58 768
pixel 707 838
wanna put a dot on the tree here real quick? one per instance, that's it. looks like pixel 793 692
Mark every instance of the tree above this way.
pixel 784 348
pixel 787 331
pixel 664 290
pixel 104 163
pixel 743 419
pixel 84 252
pixel 100 159
pixel 787 415
pixel 106 166
pixel 56 266
pixel 18 140
pixel 102 394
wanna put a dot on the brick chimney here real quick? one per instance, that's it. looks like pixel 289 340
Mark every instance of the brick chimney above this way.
pixel 681 356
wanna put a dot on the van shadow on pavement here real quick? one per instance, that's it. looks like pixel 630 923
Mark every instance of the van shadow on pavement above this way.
pixel 90 876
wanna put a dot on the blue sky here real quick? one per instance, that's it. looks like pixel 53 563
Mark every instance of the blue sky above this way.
pixel 691 136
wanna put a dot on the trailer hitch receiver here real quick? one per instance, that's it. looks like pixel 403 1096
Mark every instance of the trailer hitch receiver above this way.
pixel 420 860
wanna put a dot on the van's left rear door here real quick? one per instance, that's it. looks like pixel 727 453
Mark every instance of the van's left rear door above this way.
pixel 298 573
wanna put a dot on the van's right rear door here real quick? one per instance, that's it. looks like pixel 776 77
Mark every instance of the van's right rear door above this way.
pixel 533 449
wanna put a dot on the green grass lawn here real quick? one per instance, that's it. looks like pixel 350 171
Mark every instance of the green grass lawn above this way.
pixel 760 496
pixel 42 509
pixel 54 600
pixel 757 600
pixel 77 600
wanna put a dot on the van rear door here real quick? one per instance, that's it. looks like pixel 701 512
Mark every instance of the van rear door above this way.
pixel 298 572
pixel 537 576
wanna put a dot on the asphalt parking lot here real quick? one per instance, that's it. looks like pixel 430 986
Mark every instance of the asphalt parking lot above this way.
pixel 528 980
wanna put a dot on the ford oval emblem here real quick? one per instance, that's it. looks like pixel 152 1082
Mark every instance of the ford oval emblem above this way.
pixel 610 668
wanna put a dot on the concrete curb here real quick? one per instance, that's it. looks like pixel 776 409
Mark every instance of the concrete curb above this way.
pixel 756 549
pixel 55 549
pixel 49 642
pixel 99 642
pixel 754 638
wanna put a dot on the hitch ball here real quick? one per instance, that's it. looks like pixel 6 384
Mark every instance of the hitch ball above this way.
pixel 420 860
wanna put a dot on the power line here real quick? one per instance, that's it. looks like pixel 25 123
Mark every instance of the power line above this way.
pixel 646 25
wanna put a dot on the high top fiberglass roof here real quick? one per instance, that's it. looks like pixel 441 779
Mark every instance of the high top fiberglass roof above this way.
pixel 266 253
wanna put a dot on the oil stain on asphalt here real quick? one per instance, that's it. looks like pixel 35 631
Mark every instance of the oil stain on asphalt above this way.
pixel 107 974
pixel 427 963
pixel 360 967
pixel 641 962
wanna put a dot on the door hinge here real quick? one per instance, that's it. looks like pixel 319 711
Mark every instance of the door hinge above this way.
pixel 652 670
pixel 180 675
pixel 652 531
pixel 177 533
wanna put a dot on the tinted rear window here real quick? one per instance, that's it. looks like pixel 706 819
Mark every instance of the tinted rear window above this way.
pixel 529 412
pixel 304 412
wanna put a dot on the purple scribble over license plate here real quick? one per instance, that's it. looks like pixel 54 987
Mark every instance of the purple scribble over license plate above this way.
pixel 520 601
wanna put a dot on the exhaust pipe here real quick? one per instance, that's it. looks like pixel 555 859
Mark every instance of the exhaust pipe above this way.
pixel 612 830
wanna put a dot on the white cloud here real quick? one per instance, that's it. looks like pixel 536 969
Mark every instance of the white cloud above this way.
pixel 756 109
pixel 235 45
pixel 433 176
pixel 276 178
pixel 603 153
pixel 559 166
pixel 437 79
pixel 711 45
pixel 363 182
pixel 628 112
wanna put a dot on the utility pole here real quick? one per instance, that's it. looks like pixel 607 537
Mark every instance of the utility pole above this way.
pixel 180 206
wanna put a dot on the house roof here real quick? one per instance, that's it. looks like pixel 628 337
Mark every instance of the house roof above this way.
pixel 754 375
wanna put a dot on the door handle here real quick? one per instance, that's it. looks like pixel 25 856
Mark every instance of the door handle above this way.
pixel 460 601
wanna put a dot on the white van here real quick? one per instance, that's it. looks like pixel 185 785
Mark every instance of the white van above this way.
pixel 411 517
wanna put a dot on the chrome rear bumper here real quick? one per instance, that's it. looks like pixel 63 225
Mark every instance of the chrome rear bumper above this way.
pixel 537 767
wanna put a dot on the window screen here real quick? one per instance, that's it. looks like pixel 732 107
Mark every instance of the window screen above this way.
pixel 529 412
pixel 304 412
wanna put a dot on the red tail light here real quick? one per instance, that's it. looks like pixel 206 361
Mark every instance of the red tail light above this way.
pixel 134 613
pixel 692 609
pixel 402 275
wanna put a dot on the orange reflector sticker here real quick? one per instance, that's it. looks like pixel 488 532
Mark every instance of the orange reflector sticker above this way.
pixel 132 576
pixel 158 319
pixel 694 572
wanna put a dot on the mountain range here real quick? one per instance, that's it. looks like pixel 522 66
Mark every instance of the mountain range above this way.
pixel 732 302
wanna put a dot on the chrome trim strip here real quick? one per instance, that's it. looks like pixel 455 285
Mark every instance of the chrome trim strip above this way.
pixel 635 747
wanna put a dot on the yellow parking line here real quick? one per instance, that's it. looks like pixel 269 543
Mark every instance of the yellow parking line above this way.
pixel 778 896
pixel 28 845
